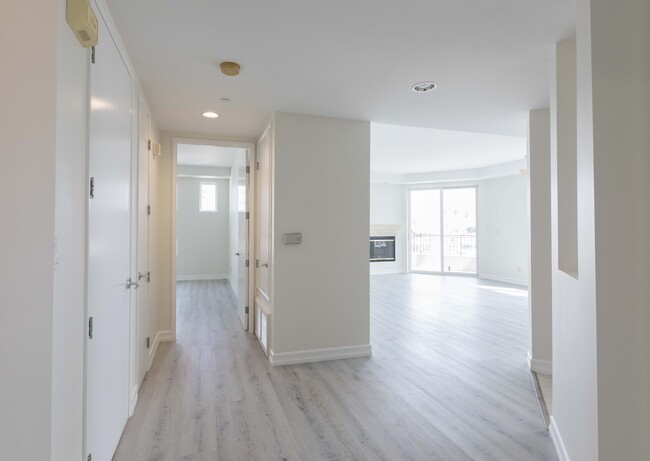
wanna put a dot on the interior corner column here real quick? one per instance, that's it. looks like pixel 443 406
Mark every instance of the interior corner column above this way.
pixel 539 210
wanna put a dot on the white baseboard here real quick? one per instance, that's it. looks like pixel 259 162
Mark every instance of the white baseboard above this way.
pixel 319 355
pixel 134 400
pixel 499 278
pixel 161 336
pixel 187 278
pixel 544 367
pixel 166 335
pixel 562 454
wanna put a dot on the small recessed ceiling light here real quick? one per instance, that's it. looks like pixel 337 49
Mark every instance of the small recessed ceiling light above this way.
pixel 225 99
pixel 210 115
pixel 424 87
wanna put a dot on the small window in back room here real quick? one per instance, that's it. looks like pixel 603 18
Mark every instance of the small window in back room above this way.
pixel 208 197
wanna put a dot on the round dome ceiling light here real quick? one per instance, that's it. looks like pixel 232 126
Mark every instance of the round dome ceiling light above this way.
pixel 210 115
pixel 226 100
pixel 424 87
pixel 229 68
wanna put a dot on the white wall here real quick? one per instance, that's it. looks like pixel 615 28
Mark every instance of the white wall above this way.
pixel 503 229
pixel 203 237
pixel 388 206
pixel 27 190
pixel 620 151
pixel 321 287
pixel 69 229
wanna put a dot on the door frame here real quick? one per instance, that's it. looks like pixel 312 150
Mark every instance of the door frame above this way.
pixel 217 142
pixel 441 187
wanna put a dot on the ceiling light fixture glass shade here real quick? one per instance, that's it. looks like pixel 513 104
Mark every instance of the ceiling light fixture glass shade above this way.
pixel 210 115
pixel 424 87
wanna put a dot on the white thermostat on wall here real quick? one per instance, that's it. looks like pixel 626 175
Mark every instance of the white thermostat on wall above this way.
pixel 292 239
pixel 83 22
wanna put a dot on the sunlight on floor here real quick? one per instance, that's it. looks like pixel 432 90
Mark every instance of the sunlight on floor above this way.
pixel 519 292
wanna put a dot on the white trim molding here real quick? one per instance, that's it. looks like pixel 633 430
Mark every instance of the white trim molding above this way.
pixel 562 454
pixel 544 367
pixel 134 400
pixel 187 278
pixel 319 355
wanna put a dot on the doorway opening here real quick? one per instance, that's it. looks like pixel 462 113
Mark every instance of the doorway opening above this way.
pixel 210 225
pixel 443 230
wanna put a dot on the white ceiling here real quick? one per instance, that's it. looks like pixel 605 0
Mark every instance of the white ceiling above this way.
pixel 195 155
pixel 353 59
pixel 404 150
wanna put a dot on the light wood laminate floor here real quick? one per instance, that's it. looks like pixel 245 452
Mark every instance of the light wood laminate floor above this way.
pixel 447 381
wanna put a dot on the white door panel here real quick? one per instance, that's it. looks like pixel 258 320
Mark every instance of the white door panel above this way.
pixel 242 238
pixel 263 218
pixel 109 244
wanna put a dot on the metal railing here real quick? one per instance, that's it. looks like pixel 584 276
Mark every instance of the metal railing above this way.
pixel 455 245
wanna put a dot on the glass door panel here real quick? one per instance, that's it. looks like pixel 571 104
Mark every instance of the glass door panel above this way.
pixel 459 225
pixel 425 228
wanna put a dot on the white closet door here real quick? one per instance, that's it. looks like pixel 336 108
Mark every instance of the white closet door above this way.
pixel 263 210
pixel 242 237
pixel 109 242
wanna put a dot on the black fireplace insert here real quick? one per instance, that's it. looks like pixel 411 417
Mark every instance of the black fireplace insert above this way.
pixel 382 248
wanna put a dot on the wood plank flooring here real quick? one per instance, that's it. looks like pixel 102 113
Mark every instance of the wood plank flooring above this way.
pixel 447 381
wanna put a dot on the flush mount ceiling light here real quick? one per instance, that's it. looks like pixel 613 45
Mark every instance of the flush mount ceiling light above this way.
pixel 226 100
pixel 231 69
pixel 424 87
pixel 210 115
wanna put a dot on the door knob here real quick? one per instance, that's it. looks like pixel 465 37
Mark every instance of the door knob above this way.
pixel 130 283
pixel 236 254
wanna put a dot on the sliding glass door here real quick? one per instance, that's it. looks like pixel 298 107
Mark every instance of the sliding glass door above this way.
pixel 442 230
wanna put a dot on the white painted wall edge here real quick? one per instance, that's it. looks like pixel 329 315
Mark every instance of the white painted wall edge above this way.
pixel 319 355
pixel 562 454
pixel 544 367
pixel 186 278
pixel 133 401
pixel 233 286
pixel 499 278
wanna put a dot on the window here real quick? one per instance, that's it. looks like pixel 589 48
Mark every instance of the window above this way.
pixel 208 197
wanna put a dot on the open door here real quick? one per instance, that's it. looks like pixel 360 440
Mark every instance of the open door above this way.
pixel 243 174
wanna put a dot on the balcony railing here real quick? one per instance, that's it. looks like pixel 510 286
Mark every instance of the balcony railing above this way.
pixel 455 245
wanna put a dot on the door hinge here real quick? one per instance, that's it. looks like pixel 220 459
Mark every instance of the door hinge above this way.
pixel 148 276
pixel 148 342
pixel 92 55
pixel 248 215
pixel 258 165
pixel 92 187
pixel 246 311
pixel 90 457
pixel 149 145
pixel 247 263
pixel 248 168
pixel 90 328
pixel 148 210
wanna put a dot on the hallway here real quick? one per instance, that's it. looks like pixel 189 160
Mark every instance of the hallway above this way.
pixel 448 380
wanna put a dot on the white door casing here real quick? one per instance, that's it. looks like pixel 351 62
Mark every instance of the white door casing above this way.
pixel 109 247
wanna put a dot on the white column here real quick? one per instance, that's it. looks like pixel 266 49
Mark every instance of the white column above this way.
pixel 540 286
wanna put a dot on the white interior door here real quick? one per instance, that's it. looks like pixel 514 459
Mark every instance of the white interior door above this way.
pixel 242 237
pixel 109 247
pixel 263 221
pixel 142 307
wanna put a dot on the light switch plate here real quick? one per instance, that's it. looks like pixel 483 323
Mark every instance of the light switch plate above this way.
pixel 292 239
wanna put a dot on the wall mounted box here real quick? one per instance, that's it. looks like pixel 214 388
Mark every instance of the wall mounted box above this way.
pixel 292 239
pixel 83 22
